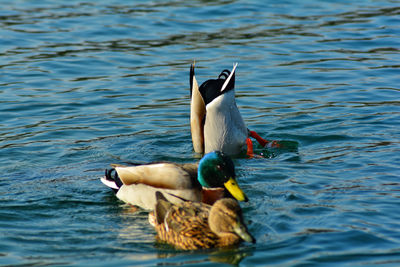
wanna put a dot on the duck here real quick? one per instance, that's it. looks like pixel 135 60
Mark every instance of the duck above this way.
pixel 213 177
pixel 215 120
pixel 194 225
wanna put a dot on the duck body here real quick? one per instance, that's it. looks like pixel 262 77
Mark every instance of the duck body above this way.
pixel 224 128
pixel 138 184
pixel 194 225
pixel 210 179
pixel 215 120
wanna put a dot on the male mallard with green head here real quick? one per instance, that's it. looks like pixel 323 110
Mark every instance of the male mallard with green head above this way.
pixel 212 178
pixel 194 225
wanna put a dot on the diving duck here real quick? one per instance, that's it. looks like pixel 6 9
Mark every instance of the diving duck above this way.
pixel 210 179
pixel 215 120
pixel 194 225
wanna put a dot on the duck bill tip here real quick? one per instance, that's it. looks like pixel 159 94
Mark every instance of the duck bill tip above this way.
pixel 241 230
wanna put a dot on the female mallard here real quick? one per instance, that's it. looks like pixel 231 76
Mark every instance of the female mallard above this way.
pixel 195 225
pixel 205 181
pixel 215 120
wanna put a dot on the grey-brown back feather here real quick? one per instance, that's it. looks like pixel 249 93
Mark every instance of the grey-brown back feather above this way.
pixel 161 208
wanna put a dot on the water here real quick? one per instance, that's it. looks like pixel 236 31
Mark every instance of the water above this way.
pixel 85 84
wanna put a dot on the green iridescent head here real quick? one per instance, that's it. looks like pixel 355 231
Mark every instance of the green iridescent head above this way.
pixel 216 169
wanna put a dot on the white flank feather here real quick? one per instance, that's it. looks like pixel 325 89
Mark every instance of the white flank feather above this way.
pixel 144 196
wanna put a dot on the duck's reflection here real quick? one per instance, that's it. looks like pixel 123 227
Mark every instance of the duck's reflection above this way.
pixel 231 256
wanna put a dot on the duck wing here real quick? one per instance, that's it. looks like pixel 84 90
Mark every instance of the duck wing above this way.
pixel 159 175
pixel 197 113
pixel 190 220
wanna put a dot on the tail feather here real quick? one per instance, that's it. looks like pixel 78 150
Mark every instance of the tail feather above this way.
pixel 191 77
pixel 229 83
pixel 224 74
pixel 112 180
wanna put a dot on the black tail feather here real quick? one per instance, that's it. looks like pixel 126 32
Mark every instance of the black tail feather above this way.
pixel 224 74
pixel 112 175
pixel 211 89
pixel 191 79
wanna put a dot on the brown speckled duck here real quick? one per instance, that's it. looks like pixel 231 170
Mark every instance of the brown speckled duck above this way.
pixel 195 225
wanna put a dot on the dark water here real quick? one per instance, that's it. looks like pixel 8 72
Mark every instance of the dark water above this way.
pixel 84 84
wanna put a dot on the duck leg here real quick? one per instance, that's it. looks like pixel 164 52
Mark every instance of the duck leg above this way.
pixel 263 142
pixel 250 151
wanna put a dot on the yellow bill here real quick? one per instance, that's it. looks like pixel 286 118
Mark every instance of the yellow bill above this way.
pixel 232 186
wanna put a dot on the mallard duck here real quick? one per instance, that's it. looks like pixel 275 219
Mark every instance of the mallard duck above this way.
pixel 215 120
pixel 210 179
pixel 194 225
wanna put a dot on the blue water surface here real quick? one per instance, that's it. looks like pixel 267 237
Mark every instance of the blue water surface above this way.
pixel 88 83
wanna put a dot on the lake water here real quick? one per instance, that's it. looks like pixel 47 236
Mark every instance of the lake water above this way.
pixel 85 84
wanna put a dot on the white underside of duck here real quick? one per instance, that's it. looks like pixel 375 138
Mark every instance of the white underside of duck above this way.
pixel 224 128
pixel 144 196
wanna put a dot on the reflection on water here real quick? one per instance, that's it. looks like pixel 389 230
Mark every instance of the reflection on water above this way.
pixel 226 256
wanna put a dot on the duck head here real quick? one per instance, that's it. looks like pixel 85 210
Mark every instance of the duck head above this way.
pixel 216 169
pixel 226 218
